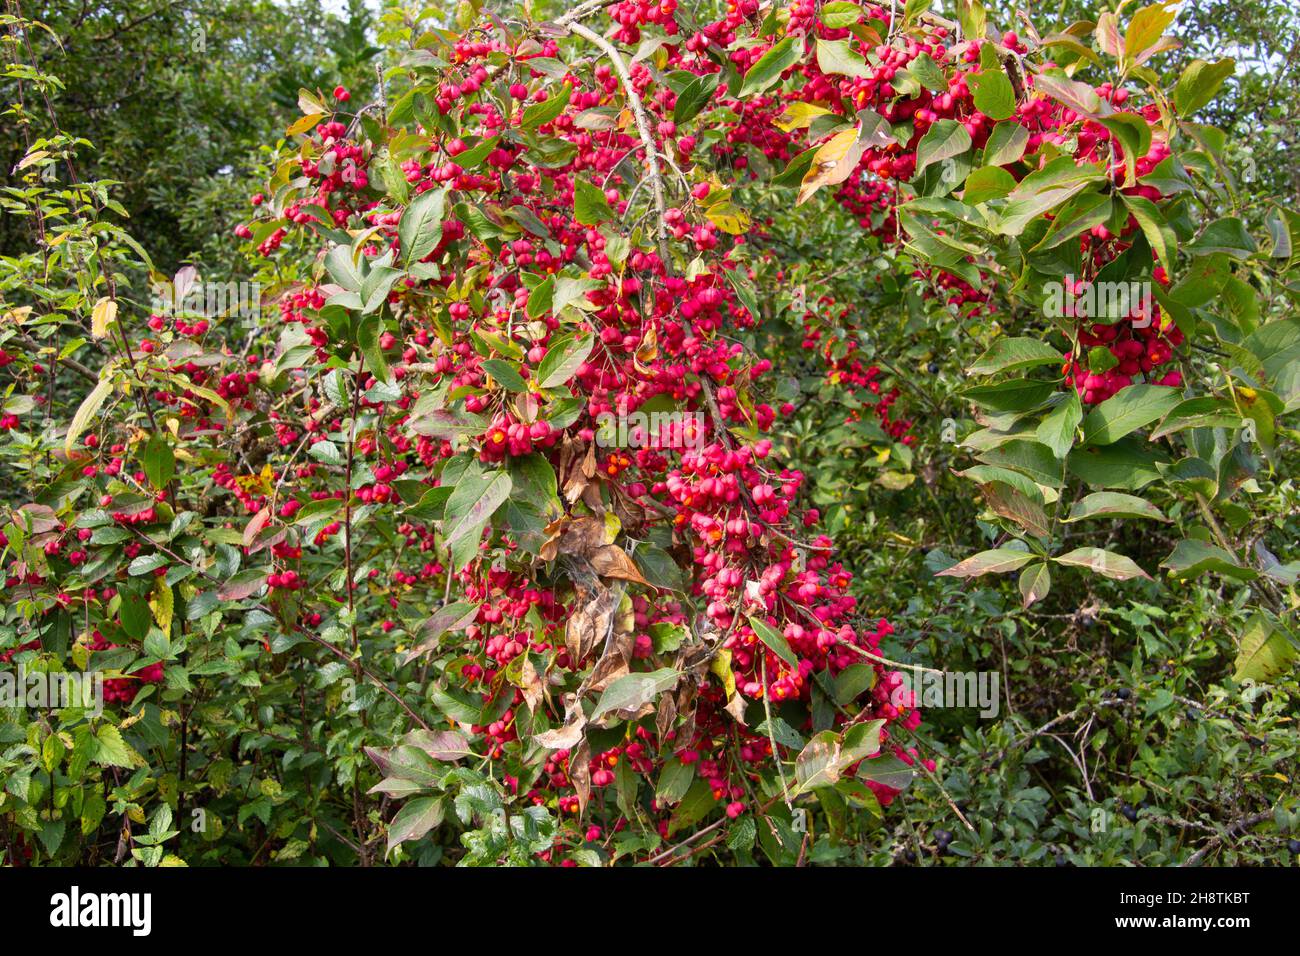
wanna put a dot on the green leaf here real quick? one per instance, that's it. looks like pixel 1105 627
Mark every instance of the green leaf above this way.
pixel 987 183
pixel 1129 409
pixel 159 460
pixel 369 330
pixel 694 96
pixel 674 780
pixel 769 67
pixel 146 563
pixel 461 706
pixel 1045 190
pixel 541 298
pixel 112 751
pixel 1199 82
pixel 505 375
pixel 1015 395
pixel 1012 354
pixel 774 640
pixel 930 75
pixel 839 15
pixel 416 818
pixel 994 561
pixel 1057 429
pixel 1158 232
pixel 470 507
pixel 1263 650
pixel 971 16
pixel 420 228
pixel 1035 582
pixel 1106 563
pixel 88 409
pixel 342 269
pixel 1227 235
pixel 1134 135
pixel 589 204
pixel 1006 144
pixel 836 57
pixel 1083 212
pixel 631 692
pixel 944 140
pixel 563 356
pixel 695 806
pixel 1128 464
pixel 51 835
pixel 1192 558
pixel 1110 504
pixel 994 96
pixel 536 114
pixel 852 682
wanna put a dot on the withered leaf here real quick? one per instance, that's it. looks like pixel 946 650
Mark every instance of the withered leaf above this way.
pixel 583 536
pixel 580 774
pixel 562 738
pixel 611 561
pixel 647 351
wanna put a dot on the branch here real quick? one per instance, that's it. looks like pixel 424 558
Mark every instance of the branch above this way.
pixel 638 112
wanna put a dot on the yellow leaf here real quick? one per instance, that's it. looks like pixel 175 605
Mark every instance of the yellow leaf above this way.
pixel 162 604
pixel 102 316
pixel 728 217
pixel 798 115
pixel 304 123
pixel 35 156
pixel 720 667
pixel 832 163
pixel 309 103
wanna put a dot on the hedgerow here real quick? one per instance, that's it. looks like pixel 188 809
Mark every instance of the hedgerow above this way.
pixel 484 530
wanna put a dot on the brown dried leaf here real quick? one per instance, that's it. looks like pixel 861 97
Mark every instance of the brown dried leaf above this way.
pixel 590 624
pixel 583 537
pixel 736 708
pixel 666 716
pixel 562 738
pixel 580 774
pixel 530 684
pixel 591 495
pixel 554 531
pixel 611 561
pixel 647 351
pixel 630 514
